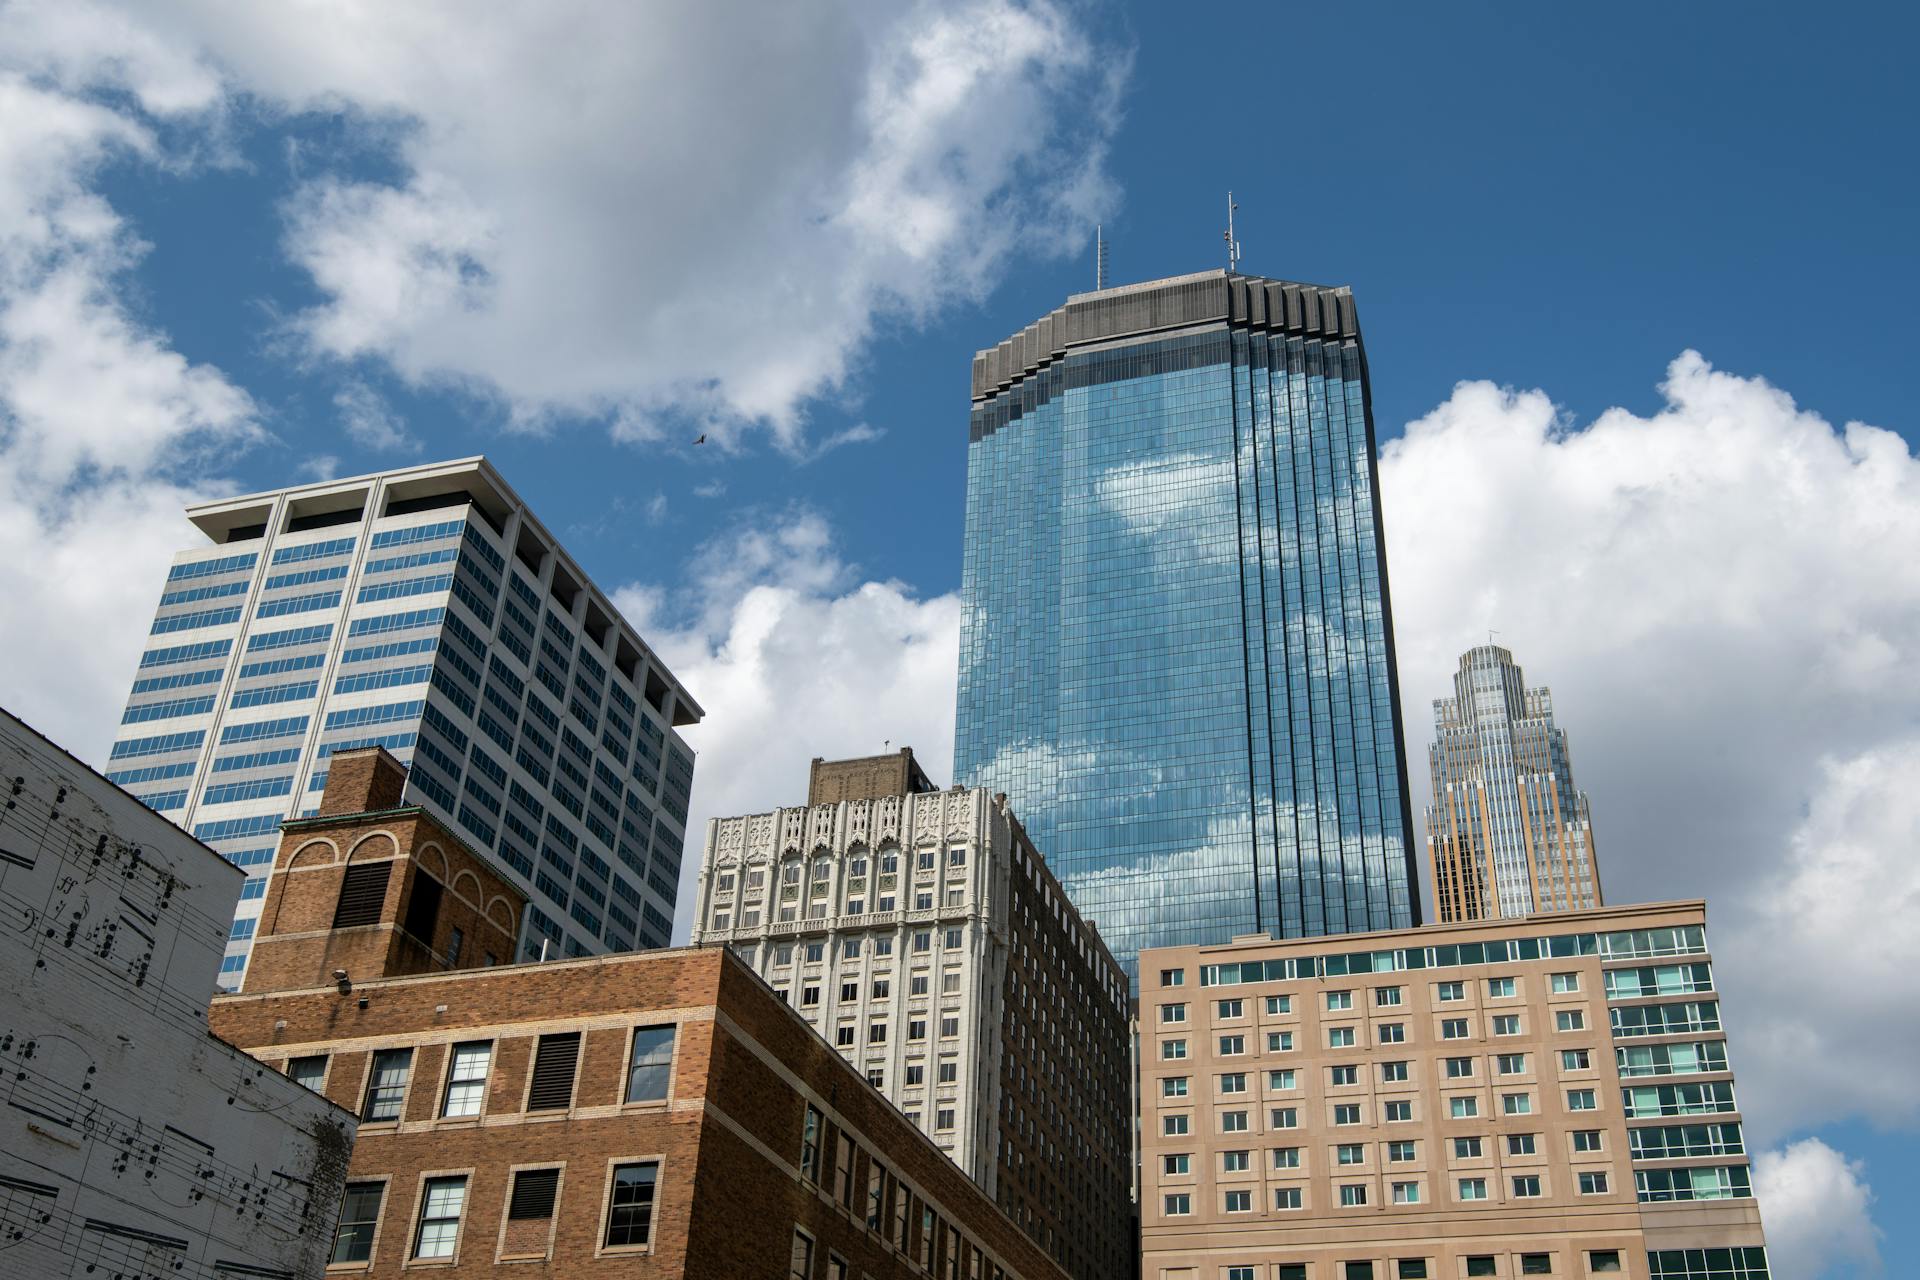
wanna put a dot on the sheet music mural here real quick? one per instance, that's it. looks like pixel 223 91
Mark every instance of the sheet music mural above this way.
pixel 133 1144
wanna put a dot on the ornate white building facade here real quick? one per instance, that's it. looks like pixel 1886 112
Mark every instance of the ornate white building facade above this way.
pixel 925 937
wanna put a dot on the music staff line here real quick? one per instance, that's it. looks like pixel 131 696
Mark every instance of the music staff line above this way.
pixel 167 1160
pixel 31 1215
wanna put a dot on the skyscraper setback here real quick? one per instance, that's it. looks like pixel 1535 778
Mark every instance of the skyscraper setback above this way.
pixel 1176 652
pixel 424 610
pixel 1507 831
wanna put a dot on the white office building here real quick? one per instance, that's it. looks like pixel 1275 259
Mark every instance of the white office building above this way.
pixel 924 936
pixel 427 611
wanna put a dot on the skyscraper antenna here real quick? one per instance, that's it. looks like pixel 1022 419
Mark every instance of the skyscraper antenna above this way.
pixel 1099 256
pixel 1233 246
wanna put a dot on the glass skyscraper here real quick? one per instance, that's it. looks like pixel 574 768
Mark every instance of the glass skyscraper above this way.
pixel 1176 653
pixel 426 611
pixel 1508 832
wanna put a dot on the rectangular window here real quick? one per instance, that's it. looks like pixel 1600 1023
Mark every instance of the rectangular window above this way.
pixel 1399 1112
pixel 1386 997
pixel 1506 1024
pixel 1520 1144
pixel 1232 1009
pixel 467 1079
pixel 1516 1104
pixel 1412 1269
pixel 651 1073
pixel 1279 1004
pixel 1401 1152
pixel 1337 1000
pixel 1576 1060
pixel 1233 1122
pixel 1280 1079
pixel 1176 1165
pixel 359 1216
pixel 1593 1184
pixel 1406 1193
pixel 1463 1108
pixel 1451 991
pixel 1536 1264
pixel 1231 1045
pixel 310 1071
pixel 1459 1068
pixel 1453 1029
pixel 1393 1072
pixel 1179 1205
pixel 876 1191
pixel 1587 1140
pixel 1339 1037
pixel 1286 1157
pixel 1286 1198
pixel 1526 1187
pixel 554 1063
pixel 1580 1100
pixel 1338 1076
pixel 1173 1087
pixel 387 1084
pixel 810 1145
pixel 1347 1113
pixel 1350 1153
pixel 1466 1148
pixel 1393 1032
pixel 1569 1020
pixel 1499 988
pixel 1353 1195
pixel 440 1211
pixel 1285 1118
pixel 1513 1064
pixel 1279 1042
pixel 1480 1264
pixel 1473 1189
pixel 800 1261
pixel 533 1195
pixel 363 893
pixel 1565 983
pixel 1173 977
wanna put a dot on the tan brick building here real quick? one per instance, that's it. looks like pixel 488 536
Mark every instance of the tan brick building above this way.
pixel 1543 1096
pixel 659 1114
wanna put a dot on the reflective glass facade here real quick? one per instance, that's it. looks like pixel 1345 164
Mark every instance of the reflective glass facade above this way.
pixel 1176 647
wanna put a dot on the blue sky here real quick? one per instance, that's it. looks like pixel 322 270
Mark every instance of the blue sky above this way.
pixel 237 253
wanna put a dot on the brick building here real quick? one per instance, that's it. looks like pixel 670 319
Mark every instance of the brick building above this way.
pixel 1537 1096
pixel 866 778
pixel 921 933
pixel 660 1114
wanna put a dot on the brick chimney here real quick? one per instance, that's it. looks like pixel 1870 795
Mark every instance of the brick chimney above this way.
pixel 366 780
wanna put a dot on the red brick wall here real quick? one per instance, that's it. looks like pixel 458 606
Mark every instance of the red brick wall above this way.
pixel 729 1194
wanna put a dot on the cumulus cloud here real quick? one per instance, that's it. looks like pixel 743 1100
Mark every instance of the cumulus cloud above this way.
pixel 703 223
pixel 1724 598
pixel 370 421
pixel 1818 1210
pixel 102 425
pixel 792 655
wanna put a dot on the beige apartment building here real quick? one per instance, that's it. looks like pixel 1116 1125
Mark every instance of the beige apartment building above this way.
pixel 1544 1096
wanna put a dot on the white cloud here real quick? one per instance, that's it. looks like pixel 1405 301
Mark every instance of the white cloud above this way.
pixel 792 656
pixel 1725 600
pixel 102 424
pixel 370 421
pixel 637 212
pixel 1817 1207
